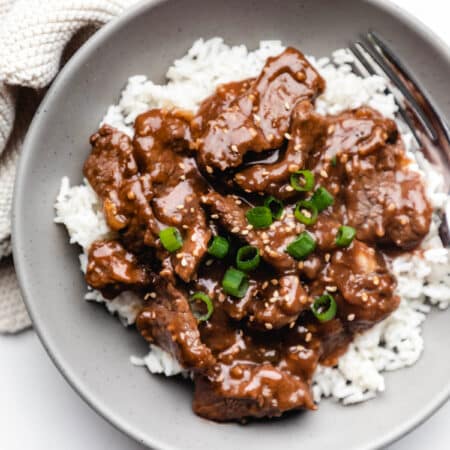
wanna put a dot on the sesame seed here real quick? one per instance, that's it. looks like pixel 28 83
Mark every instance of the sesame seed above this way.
pixel 185 227
pixel 293 167
pixel 297 147
pixel 192 210
pixel 364 297
pixel 331 288
pixel 300 265
pixel 184 263
pixel 214 216
pixel 291 325
pixel 287 136
pixel 287 106
pixel 274 281
pixel 181 165
pixel 256 118
pixel 180 206
pixel 249 227
pixel 244 232
pixel 209 169
pixel 209 262
pixel 289 188
pixel 179 255
pixel 376 281
pixel 235 230
pixel 131 195
pixel 323 173
pixel 234 148
pixel 351 317
pixel 251 318
pixel 391 207
pixel 269 326
pixel 327 257
pixel 308 337
pixel 265 284
pixel 331 129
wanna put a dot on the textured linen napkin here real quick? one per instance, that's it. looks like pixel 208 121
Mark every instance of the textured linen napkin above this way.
pixel 36 38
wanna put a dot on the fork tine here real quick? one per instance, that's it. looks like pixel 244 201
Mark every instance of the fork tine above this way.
pixel 367 67
pixel 408 78
pixel 408 99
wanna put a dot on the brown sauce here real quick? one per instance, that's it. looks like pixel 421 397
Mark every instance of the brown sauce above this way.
pixel 256 355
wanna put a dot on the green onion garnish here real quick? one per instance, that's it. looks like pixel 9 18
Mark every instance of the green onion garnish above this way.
pixel 235 282
pixel 247 258
pixel 302 180
pixel 276 206
pixel 324 308
pixel 207 301
pixel 322 199
pixel 259 217
pixel 306 212
pixel 345 236
pixel 171 239
pixel 219 247
pixel 301 247
pixel 334 161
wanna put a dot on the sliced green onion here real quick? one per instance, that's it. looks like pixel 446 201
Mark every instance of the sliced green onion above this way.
pixel 324 308
pixel 247 258
pixel 301 247
pixel 322 199
pixel 171 239
pixel 276 206
pixel 334 161
pixel 219 247
pixel 345 236
pixel 306 212
pixel 302 180
pixel 235 282
pixel 207 301
pixel 259 217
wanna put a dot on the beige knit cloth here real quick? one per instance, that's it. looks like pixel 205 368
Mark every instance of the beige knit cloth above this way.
pixel 36 37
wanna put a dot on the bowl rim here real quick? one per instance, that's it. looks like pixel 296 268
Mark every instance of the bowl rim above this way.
pixel 74 380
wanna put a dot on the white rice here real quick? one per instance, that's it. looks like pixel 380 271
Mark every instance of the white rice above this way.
pixel 423 281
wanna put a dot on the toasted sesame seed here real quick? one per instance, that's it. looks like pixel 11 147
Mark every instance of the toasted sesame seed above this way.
pixel 256 118
pixel 289 188
pixel 300 265
pixel 293 167
pixel 214 216
pixel 268 325
pixel 179 255
pixel 131 195
pixel 265 284
pixel 364 297
pixel 291 325
pixel 180 206
pixel 331 288
pixel 331 129
pixel 184 263
pixel 308 337
pixel 297 147
pixel 274 281
pixel 249 227
pixel 351 317
pixel 287 106
pixel 244 232
pixel 327 257
pixel 287 136
pixel 300 76
pixel 237 201
pixel 235 230
pixel 234 148
pixel 209 169
pixel 376 281
pixel 323 173
pixel 185 227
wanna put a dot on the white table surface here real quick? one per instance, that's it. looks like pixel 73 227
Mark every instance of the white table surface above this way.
pixel 39 411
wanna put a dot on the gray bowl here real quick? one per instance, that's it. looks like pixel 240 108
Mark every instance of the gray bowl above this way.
pixel 90 347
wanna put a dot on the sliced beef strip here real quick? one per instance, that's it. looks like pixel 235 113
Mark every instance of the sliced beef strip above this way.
pixel 112 269
pixel 388 206
pixel 366 288
pixel 260 391
pixel 257 375
pixel 161 146
pixel 269 303
pixel 258 119
pixel 168 322
pixel 271 242
pixel 306 132
pixel 110 163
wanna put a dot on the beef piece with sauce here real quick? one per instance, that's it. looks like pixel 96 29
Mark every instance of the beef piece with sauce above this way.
pixel 161 148
pixel 112 269
pixel 168 322
pixel 255 356
pixel 257 119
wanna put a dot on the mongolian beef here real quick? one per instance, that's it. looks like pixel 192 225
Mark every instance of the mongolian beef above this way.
pixel 257 231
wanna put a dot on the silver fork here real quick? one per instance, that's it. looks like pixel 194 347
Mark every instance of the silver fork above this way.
pixel 372 55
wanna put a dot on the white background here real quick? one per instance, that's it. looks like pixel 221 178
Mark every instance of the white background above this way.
pixel 39 411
